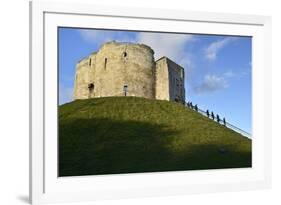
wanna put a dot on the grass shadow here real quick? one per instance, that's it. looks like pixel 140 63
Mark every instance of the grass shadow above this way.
pixel 110 146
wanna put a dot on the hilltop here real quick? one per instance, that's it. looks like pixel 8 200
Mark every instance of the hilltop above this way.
pixel 129 134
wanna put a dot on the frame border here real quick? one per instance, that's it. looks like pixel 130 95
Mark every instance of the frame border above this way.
pixel 36 74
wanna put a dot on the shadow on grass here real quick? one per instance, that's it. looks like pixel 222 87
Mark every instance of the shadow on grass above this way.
pixel 107 146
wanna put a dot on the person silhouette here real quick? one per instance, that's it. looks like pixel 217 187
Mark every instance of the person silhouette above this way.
pixel 208 114
pixel 212 115
pixel 218 118
pixel 224 122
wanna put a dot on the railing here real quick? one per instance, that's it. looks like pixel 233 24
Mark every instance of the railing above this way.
pixel 220 121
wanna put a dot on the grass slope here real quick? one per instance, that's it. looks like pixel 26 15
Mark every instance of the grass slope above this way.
pixel 128 134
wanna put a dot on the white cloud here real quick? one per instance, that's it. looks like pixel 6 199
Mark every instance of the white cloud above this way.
pixel 211 83
pixel 212 50
pixel 163 44
pixel 100 37
pixel 170 45
pixel 229 74
pixel 90 35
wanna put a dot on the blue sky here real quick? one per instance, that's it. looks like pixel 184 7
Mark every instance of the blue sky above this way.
pixel 217 68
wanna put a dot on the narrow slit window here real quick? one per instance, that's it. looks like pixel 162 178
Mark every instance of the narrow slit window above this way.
pixel 125 89
pixel 105 62
pixel 90 62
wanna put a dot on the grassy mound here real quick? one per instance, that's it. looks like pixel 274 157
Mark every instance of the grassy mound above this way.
pixel 128 134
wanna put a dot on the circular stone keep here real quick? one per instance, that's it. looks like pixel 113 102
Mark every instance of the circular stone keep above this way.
pixel 117 69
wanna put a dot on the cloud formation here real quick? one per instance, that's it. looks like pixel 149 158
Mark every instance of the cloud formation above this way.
pixel 211 83
pixel 101 36
pixel 170 45
pixel 212 50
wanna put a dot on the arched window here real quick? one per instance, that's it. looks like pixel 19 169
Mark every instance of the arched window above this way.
pixel 125 54
pixel 91 86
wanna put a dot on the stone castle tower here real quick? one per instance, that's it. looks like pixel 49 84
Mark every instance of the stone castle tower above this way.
pixel 127 69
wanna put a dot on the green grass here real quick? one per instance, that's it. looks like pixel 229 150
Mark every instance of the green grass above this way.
pixel 128 135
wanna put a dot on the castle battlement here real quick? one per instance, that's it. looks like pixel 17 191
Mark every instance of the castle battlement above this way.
pixel 119 69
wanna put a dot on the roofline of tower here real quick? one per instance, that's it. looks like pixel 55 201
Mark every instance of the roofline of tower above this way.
pixel 87 57
pixel 165 57
pixel 95 52
pixel 128 43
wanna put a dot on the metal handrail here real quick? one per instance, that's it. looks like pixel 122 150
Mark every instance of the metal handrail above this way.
pixel 227 124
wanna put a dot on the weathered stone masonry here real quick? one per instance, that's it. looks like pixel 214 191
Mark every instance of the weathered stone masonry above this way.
pixel 119 69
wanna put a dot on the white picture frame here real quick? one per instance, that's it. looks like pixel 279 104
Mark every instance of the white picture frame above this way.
pixel 46 187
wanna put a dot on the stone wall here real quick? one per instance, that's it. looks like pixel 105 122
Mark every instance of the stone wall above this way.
pixel 169 80
pixel 176 82
pixel 162 80
pixel 117 67
pixel 82 79
pixel 114 66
